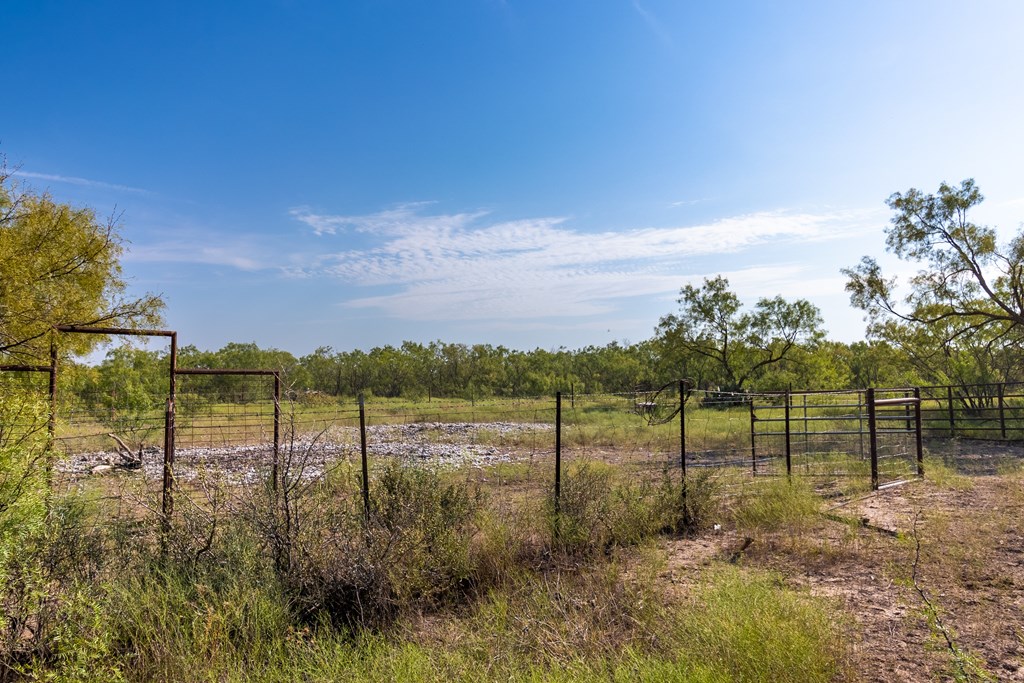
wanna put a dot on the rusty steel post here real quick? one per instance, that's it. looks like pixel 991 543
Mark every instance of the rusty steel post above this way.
pixel 169 427
pixel 682 432
pixel 753 437
pixel 682 450
pixel 873 438
pixel 51 422
pixel 366 467
pixel 167 505
pixel 51 425
pixel 919 436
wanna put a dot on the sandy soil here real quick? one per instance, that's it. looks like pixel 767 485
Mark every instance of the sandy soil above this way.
pixel 914 563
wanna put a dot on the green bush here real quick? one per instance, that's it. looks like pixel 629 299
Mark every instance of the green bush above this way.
pixel 596 513
pixel 703 500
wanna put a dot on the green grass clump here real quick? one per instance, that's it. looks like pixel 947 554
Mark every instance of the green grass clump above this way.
pixel 945 475
pixel 749 627
pixel 776 504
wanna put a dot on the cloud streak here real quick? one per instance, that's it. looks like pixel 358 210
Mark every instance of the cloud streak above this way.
pixel 462 267
pixel 207 254
pixel 83 182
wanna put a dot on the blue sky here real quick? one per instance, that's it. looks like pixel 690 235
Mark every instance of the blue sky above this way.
pixel 523 173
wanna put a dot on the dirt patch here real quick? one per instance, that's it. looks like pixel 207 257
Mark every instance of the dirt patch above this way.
pixel 907 566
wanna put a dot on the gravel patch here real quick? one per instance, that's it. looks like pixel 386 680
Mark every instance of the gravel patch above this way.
pixel 433 444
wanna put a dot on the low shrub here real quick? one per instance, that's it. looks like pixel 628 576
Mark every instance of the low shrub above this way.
pixel 596 513
pixel 413 552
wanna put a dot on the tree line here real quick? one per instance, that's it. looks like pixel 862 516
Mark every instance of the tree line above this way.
pixel 415 371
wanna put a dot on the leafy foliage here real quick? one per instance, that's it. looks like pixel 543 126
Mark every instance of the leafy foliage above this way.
pixel 739 346
pixel 965 307
pixel 59 265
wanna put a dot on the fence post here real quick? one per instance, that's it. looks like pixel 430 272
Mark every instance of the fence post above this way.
pixel 167 507
pixel 366 469
pixel 682 449
pixel 949 405
pixel 753 437
pixel 918 432
pixel 873 438
pixel 1002 411
pixel 169 427
pixel 789 450
pixel 558 456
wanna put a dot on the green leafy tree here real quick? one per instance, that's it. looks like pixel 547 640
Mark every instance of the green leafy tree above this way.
pixel 127 392
pixel 392 372
pixel 964 309
pixel 877 363
pixel 739 346
pixel 323 370
pixel 59 265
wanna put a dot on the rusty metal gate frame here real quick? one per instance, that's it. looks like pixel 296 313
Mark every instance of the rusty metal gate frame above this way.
pixel 167 502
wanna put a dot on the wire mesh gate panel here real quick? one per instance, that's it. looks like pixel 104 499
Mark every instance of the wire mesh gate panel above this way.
pixel 813 434
pixel 895 435
pixel 636 434
pixel 114 415
pixel 227 420
pixel 718 430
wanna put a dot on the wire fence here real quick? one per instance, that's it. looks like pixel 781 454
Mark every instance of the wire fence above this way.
pixel 974 411
pixel 241 428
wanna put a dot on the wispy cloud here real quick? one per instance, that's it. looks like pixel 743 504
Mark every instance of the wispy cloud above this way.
pixel 653 24
pixel 404 218
pixel 460 267
pixel 83 182
pixel 177 252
